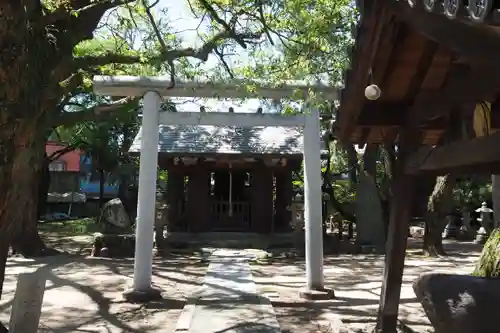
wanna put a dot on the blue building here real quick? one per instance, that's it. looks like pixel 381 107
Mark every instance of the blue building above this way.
pixel 90 180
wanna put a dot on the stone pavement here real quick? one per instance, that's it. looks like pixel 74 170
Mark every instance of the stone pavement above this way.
pixel 228 301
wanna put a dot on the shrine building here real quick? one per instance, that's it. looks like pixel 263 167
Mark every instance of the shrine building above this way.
pixel 228 178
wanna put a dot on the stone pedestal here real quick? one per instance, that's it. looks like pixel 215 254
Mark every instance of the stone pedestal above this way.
pixel 481 236
pixel 142 296
pixel 317 295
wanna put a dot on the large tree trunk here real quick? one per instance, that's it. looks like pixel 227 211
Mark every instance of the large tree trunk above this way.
pixel 43 188
pixel 34 60
pixel 28 242
pixel 20 160
pixel 437 208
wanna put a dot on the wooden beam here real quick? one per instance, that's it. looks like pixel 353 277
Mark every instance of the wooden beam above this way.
pixel 393 114
pixel 474 42
pixel 403 188
pixel 139 85
pixel 460 155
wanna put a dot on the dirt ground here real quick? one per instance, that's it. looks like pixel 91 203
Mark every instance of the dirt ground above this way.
pixel 356 281
pixel 85 294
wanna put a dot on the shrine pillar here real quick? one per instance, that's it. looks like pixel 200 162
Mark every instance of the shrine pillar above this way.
pixel 144 237
pixel 198 203
pixel 284 193
pixel 262 200
pixel 175 196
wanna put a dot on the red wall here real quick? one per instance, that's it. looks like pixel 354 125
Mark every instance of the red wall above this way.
pixel 72 158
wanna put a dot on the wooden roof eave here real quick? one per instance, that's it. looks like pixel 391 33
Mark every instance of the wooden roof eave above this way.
pixel 367 35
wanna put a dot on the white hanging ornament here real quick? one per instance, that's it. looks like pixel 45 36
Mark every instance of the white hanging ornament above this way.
pixel 372 92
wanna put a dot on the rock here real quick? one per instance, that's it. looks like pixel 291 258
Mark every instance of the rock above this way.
pixel 369 214
pixel 460 303
pixel 113 245
pixel 114 217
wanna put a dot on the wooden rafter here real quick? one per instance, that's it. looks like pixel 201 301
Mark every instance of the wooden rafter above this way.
pixel 392 36
pixel 421 70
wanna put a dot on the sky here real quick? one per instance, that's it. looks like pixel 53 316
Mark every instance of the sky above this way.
pixel 183 21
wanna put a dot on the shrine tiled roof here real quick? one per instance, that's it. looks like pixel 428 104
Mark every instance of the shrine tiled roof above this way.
pixel 197 139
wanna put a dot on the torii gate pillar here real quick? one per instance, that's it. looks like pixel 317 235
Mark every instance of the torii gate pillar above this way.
pixel 142 290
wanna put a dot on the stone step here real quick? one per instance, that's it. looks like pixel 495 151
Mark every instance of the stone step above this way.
pixel 228 302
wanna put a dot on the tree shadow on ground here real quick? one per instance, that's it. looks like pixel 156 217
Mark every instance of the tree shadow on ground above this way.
pixel 85 294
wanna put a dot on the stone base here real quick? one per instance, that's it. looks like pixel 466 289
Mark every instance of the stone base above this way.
pixel 480 239
pixel 317 294
pixel 142 296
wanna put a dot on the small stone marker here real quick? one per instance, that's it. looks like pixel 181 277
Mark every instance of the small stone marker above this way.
pixel 27 304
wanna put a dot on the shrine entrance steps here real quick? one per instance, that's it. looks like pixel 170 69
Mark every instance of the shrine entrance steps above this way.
pixel 228 301
pixel 233 240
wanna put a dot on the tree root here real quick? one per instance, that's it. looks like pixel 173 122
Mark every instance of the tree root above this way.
pixel 434 252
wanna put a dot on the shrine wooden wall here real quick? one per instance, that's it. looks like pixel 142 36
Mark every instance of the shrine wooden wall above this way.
pixel 190 202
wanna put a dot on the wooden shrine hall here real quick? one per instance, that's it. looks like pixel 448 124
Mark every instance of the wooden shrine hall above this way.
pixel 227 178
pixel 425 76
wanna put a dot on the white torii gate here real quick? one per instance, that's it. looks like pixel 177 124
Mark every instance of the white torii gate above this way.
pixel 153 88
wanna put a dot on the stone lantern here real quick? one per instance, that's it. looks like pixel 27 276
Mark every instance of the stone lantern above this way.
pixel 297 211
pixel 485 219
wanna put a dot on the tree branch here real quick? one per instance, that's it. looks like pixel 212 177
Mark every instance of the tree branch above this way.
pixel 94 113
pixel 229 28
pixel 58 153
pixel 65 13
pixel 201 53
